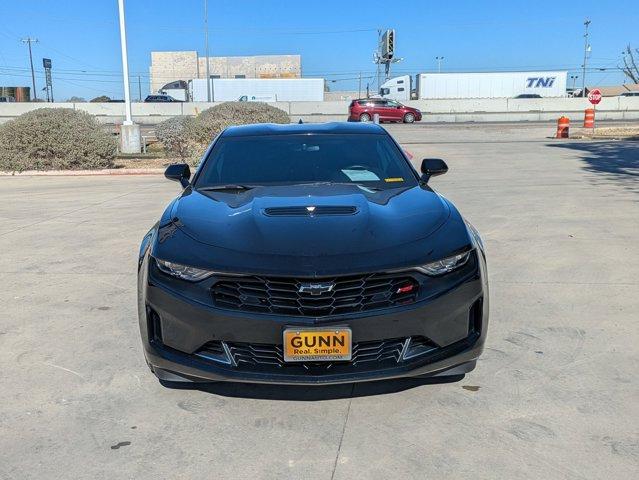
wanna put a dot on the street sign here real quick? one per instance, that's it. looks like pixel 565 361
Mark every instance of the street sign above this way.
pixel 46 63
pixel 594 96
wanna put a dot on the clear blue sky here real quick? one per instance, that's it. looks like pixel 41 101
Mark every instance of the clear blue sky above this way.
pixel 335 38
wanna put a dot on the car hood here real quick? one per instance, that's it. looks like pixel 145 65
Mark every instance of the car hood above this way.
pixel 384 220
pixel 229 232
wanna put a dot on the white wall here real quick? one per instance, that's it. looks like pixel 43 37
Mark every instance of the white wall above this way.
pixel 441 110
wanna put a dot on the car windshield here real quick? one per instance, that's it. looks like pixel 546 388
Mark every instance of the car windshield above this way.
pixel 371 161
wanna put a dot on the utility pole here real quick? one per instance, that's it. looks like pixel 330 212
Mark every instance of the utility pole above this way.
pixel 129 132
pixel 359 86
pixel 29 41
pixel 209 94
pixel 439 64
pixel 139 89
pixel 379 48
pixel 586 48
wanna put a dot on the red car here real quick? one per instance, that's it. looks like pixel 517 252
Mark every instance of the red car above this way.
pixel 389 111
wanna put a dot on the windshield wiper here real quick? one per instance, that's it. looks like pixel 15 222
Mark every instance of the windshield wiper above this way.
pixel 328 182
pixel 214 188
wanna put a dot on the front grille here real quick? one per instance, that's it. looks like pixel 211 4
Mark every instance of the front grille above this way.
pixel 317 297
pixel 310 211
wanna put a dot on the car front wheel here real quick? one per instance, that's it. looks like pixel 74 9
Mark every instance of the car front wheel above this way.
pixel 409 118
pixel 364 117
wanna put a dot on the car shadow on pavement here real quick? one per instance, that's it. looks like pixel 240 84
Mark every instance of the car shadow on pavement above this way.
pixel 310 393
pixel 613 161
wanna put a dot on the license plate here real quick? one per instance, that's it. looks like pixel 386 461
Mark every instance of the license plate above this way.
pixel 317 345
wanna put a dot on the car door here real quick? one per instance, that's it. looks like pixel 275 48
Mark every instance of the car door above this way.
pixel 381 108
pixel 395 111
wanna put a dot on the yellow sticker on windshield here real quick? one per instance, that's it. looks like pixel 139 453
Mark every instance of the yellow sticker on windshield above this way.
pixel 394 179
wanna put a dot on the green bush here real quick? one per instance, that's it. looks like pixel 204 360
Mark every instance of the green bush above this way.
pixel 55 138
pixel 100 99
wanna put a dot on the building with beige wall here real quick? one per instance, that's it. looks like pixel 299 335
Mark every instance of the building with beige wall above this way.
pixel 171 66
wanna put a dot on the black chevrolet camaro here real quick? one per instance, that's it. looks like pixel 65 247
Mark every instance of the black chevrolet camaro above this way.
pixel 310 254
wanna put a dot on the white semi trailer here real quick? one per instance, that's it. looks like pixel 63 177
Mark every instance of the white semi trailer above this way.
pixel 476 85
pixel 258 90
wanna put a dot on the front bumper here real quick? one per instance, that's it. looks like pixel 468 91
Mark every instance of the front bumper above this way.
pixel 175 327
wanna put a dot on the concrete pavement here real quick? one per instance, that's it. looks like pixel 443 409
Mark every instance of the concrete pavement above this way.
pixel 554 396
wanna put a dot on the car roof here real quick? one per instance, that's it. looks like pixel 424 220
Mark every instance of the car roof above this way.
pixel 332 128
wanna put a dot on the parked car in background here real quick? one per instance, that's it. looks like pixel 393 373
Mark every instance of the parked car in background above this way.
pixel 6 99
pixel 160 99
pixel 363 110
pixel 629 94
pixel 528 95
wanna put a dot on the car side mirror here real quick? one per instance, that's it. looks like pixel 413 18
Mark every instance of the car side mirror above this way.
pixel 431 167
pixel 179 172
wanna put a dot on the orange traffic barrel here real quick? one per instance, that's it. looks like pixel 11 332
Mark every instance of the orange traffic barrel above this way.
pixel 563 125
pixel 589 118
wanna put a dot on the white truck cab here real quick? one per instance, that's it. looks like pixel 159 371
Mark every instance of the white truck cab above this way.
pixel 398 88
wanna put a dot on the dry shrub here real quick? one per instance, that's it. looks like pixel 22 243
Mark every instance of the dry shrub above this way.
pixel 174 134
pixel 188 137
pixel 213 120
pixel 55 139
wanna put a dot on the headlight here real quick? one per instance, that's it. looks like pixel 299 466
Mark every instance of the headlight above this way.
pixel 445 265
pixel 184 272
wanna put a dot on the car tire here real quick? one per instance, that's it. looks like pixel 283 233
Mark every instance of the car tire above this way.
pixel 365 117
pixel 409 118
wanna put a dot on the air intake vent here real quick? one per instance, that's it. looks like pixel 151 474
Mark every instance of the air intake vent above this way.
pixel 310 211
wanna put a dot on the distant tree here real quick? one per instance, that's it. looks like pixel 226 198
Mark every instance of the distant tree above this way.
pixel 630 68
pixel 101 98
pixel 75 99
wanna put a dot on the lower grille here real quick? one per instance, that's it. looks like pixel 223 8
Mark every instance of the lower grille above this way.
pixel 270 358
pixel 317 297
pixel 246 353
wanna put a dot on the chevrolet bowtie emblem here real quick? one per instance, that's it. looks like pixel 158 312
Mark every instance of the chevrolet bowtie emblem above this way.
pixel 316 288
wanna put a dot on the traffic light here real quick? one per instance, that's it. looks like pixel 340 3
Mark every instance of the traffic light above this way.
pixel 388 44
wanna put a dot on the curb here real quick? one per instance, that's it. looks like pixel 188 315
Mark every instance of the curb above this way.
pixel 78 173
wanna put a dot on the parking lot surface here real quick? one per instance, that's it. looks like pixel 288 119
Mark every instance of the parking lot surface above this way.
pixel 554 396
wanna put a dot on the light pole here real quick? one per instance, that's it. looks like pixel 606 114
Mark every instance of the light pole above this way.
pixel 586 49
pixel 29 41
pixel 439 64
pixel 206 50
pixel 129 132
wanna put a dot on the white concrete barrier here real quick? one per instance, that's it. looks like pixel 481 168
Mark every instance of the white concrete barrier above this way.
pixel 319 108
pixel 445 110
pixel 461 105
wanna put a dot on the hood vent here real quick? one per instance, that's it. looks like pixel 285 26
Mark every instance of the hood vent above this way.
pixel 310 211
